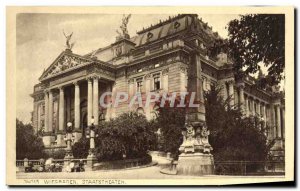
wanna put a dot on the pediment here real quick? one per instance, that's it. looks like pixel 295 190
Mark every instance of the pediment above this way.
pixel 65 62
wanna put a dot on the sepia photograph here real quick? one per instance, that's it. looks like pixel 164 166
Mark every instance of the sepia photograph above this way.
pixel 150 96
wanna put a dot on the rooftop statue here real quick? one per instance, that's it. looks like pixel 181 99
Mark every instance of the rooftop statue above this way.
pixel 68 39
pixel 123 27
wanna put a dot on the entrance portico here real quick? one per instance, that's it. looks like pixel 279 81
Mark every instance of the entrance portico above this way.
pixel 73 97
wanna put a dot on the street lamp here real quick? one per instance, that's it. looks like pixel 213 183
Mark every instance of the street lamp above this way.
pixel 263 124
pixel 69 154
pixel 91 159
pixel 91 136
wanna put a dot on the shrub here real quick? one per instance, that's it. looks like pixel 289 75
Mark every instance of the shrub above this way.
pixel 56 154
pixel 81 148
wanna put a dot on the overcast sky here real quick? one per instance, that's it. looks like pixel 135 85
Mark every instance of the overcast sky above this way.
pixel 40 40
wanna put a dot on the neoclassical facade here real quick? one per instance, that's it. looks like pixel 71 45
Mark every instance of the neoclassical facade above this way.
pixel 156 59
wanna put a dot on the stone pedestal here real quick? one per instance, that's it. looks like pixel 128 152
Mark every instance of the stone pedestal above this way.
pixel 195 164
pixel 47 140
pixel 278 156
pixel 60 140
pixel 90 161
pixel 77 136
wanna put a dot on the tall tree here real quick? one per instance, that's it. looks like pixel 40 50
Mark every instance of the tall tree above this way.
pixel 28 144
pixel 234 136
pixel 255 39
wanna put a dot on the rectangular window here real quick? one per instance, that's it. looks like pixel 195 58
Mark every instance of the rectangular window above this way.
pixel 139 84
pixel 156 78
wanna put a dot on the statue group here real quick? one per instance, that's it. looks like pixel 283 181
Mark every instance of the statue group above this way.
pixel 195 139
pixel 123 27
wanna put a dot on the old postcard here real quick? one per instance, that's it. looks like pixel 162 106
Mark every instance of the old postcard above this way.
pixel 150 95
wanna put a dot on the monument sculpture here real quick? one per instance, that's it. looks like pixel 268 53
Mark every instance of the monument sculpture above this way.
pixel 69 45
pixel 195 157
pixel 123 27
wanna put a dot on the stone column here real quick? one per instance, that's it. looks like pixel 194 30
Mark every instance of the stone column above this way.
pixel 224 89
pixel 283 123
pixel 109 101
pixel 264 115
pixel 273 120
pixel 77 131
pixel 90 101
pixel 258 109
pixel 246 106
pixel 242 98
pixel 114 92
pixel 204 84
pixel 50 119
pixel 39 109
pixel 61 118
pixel 96 100
pixel 231 93
pixel 253 107
pixel 46 135
pixel 68 108
pixel 278 121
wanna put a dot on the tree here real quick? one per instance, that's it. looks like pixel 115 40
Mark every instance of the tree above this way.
pixel 28 145
pixel 130 135
pixel 255 39
pixel 234 136
pixel 170 121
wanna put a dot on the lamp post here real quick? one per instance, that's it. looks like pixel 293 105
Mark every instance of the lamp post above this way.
pixel 91 159
pixel 69 154
pixel 263 125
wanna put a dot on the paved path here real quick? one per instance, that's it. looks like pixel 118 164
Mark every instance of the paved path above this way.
pixel 150 172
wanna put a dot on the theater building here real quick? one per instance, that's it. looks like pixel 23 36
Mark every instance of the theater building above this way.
pixel 156 59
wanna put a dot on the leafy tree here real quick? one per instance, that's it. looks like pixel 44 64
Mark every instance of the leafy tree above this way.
pixel 258 38
pixel 28 144
pixel 130 135
pixel 234 136
pixel 171 120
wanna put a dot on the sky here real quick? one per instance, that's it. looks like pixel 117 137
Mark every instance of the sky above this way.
pixel 40 40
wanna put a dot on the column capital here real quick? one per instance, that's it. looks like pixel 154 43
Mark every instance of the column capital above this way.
pixel 241 85
pixel 231 81
pixel 61 88
pixel 131 81
pixel 165 71
pixel 89 79
pixel 46 91
pixel 147 76
pixel 50 91
pixel 95 77
pixel 276 104
pixel 75 83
